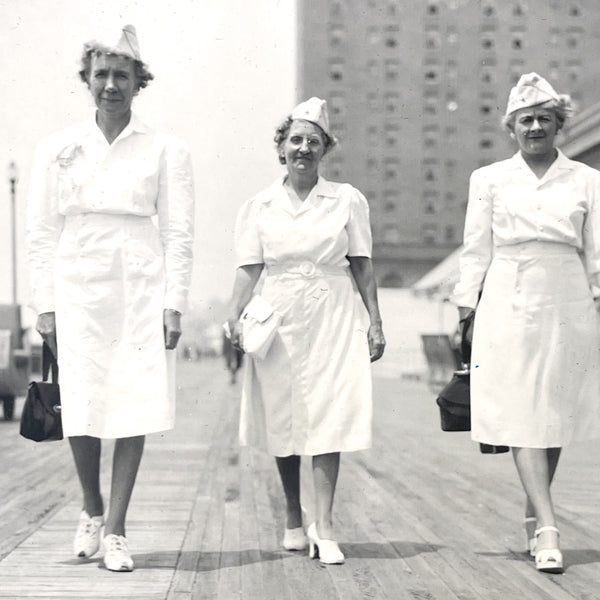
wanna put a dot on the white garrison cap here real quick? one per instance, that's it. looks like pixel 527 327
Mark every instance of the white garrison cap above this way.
pixel 125 44
pixel 315 111
pixel 531 90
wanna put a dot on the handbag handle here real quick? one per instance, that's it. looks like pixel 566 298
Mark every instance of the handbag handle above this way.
pixel 49 362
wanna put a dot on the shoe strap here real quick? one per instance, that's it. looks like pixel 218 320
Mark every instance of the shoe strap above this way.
pixel 546 528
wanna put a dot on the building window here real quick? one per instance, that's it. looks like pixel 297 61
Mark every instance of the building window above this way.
pixel 432 74
pixel 433 9
pixel 372 68
pixel 517 42
pixel 450 233
pixel 572 42
pixel 336 70
pixel 391 169
pixel 391 102
pixel 336 36
pixel 433 40
pixel 372 135
pixel 371 164
pixel 337 103
pixel 487 42
pixel 429 234
pixel 372 101
pixel 373 35
pixel 392 69
pixel 518 10
pixel 391 235
pixel 392 133
pixel 451 36
pixel 486 144
pixel 487 76
pixel 574 11
pixel 392 35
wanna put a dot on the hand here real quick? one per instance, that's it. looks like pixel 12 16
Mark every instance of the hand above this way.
pixel 376 341
pixel 46 327
pixel 235 330
pixel 172 328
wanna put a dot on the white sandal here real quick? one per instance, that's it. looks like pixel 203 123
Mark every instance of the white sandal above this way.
pixel 530 538
pixel 548 560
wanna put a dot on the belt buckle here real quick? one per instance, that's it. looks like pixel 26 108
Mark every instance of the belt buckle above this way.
pixel 308 269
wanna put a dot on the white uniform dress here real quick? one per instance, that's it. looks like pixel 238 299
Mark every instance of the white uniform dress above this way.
pixel 97 258
pixel 312 392
pixel 535 366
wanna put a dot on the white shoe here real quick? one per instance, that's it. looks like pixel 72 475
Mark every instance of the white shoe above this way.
pixel 327 551
pixel 548 560
pixel 87 538
pixel 116 553
pixel 294 539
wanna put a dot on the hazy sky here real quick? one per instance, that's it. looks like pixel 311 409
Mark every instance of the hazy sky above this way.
pixel 225 75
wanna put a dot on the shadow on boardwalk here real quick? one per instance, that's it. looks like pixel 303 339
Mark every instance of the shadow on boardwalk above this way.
pixel 422 515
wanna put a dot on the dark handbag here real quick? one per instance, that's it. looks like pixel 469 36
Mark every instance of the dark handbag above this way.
pixel 455 399
pixel 40 419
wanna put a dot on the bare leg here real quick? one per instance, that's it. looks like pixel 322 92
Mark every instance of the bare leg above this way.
pixel 536 468
pixel 289 472
pixel 553 456
pixel 325 473
pixel 126 461
pixel 86 453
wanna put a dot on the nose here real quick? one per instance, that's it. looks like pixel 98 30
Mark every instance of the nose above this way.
pixel 110 82
pixel 535 126
pixel 304 146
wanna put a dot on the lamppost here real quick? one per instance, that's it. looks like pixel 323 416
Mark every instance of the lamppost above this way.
pixel 13 177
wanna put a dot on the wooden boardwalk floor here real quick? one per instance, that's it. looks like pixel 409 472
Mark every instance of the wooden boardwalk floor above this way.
pixel 421 516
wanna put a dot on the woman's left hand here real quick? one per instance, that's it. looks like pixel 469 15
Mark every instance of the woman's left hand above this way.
pixel 172 328
pixel 376 341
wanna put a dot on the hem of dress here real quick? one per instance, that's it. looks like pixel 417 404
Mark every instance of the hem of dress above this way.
pixel 527 444
pixel 306 453
pixel 105 436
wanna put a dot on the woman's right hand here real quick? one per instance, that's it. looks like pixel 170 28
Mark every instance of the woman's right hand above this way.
pixel 46 327
pixel 235 333
pixel 463 313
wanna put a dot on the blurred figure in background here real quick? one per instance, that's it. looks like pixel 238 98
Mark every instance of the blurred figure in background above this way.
pixel 532 246
pixel 311 395
pixel 110 286
pixel 234 358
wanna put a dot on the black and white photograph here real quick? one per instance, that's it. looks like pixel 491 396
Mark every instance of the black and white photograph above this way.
pixel 301 300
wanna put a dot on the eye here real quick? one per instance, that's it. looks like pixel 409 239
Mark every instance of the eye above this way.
pixel 296 139
pixel 314 142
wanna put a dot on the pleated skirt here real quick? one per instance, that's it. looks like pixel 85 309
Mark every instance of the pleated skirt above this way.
pixel 535 368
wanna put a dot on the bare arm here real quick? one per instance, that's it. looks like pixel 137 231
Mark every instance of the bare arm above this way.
pixel 246 278
pixel 362 271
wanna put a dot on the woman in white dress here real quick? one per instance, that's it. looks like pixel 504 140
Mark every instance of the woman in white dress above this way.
pixel 311 394
pixel 532 248
pixel 108 284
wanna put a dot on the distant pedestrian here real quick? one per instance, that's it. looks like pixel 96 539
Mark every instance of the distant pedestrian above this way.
pixel 532 244
pixel 311 395
pixel 108 284
pixel 234 357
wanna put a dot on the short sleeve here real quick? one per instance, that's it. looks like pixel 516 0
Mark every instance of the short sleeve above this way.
pixel 248 247
pixel 360 240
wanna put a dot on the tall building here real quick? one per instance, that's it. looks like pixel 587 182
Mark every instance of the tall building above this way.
pixel 416 90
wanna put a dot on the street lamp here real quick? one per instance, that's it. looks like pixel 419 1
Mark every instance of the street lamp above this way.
pixel 13 177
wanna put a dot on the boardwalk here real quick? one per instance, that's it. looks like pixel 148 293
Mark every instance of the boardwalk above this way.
pixel 421 516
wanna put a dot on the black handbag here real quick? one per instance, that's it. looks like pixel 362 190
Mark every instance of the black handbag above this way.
pixel 40 419
pixel 455 399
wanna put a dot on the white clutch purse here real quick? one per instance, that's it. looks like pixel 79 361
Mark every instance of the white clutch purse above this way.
pixel 260 322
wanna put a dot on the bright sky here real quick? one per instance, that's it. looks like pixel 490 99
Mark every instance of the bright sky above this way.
pixel 225 76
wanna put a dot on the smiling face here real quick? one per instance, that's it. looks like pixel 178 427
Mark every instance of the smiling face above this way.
pixel 113 84
pixel 535 128
pixel 304 147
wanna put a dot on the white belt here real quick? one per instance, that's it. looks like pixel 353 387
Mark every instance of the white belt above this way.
pixel 306 269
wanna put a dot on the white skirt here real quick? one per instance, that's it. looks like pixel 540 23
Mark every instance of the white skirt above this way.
pixel 535 368
pixel 312 392
pixel 116 378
